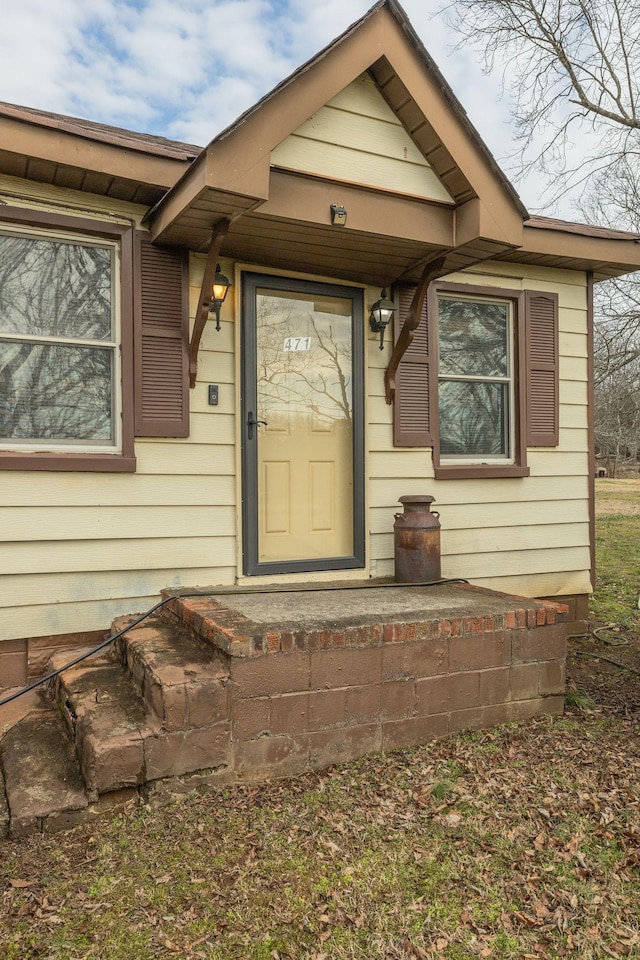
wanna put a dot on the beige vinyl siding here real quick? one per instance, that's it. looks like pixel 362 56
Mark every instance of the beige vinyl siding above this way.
pixel 522 535
pixel 43 196
pixel 120 490
pixel 107 523
pixel 357 138
pixel 77 549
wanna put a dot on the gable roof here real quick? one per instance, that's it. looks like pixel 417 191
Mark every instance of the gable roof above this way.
pixel 279 216
pixel 286 216
pixel 399 14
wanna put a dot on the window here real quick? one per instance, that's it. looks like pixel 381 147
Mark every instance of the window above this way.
pixel 66 373
pixel 94 342
pixel 479 382
pixel 59 334
pixel 475 379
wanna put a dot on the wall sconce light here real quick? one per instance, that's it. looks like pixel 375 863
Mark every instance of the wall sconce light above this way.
pixel 219 291
pixel 338 215
pixel 381 313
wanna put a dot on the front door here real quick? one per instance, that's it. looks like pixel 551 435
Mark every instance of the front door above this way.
pixel 303 426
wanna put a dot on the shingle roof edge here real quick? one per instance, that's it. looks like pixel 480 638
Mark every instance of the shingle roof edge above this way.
pixel 90 129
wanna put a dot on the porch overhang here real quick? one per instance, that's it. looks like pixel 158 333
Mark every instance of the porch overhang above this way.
pixel 388 237
pixel 281 218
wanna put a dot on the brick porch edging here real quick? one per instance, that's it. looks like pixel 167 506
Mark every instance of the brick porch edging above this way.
pixel 236 635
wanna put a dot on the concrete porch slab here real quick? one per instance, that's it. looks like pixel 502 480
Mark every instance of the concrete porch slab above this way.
pixel 369 603
pixel 247 622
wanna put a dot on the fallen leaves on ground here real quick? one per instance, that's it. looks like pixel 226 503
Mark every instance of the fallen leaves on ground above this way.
pixel 518 842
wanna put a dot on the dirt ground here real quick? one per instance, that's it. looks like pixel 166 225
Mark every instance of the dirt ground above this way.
pixel 607 672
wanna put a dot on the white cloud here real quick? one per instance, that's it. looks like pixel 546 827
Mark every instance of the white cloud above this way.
pixel 186 68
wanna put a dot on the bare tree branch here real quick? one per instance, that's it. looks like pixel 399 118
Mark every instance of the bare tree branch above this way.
pixel 572 68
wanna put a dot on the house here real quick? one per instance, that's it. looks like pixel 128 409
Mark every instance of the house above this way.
pixel 146 446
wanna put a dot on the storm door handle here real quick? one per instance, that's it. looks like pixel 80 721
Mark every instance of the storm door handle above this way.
pixel 251 423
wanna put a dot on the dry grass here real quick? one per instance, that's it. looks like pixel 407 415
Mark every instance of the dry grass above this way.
pixel 617 497
pixel 519 842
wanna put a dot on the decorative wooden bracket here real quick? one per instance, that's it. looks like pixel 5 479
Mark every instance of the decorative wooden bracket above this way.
pixel 202 312
pixel 431 272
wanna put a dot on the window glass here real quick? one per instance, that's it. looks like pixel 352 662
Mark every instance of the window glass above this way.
pixel 473 338
pixel 51 392
pixel 475 383
pixel 473 419
pixel 55 288
pixel 58 349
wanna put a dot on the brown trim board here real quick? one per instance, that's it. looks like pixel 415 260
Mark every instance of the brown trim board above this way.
pixel 591 427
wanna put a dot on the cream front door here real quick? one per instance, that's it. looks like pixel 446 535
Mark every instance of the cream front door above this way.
pixel 302 394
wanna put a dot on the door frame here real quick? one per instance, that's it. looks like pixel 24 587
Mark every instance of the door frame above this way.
pixel 252 566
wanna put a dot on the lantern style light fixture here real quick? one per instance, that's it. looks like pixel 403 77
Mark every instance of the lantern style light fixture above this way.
pixel 381 313
pixel 219 291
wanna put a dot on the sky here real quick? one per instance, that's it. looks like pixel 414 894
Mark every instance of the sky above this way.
pixel 185 69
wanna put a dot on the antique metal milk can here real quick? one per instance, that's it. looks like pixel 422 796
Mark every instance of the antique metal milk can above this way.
pixel 416 535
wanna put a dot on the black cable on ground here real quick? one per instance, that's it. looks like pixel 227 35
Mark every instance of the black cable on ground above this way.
pixel 222 591
pixel 612 643
pixel 614 663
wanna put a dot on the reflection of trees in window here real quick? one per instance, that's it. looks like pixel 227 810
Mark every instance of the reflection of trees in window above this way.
pixel 57 347
pixel 314 381
pixel 474 377
pixel 472 419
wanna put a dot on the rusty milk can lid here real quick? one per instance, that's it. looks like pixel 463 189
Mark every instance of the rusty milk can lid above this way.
pixel 417 498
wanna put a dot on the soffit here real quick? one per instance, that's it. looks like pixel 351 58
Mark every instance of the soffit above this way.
pixel 386 237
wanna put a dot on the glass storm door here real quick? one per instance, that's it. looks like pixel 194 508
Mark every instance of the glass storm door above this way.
pixel 302 413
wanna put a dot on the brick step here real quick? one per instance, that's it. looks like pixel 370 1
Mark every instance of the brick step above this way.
pixel 182 678
pixel 120 742
pixel 108 720
pixel 42 777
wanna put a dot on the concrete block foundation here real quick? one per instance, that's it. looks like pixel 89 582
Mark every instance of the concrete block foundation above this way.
pixel 320 678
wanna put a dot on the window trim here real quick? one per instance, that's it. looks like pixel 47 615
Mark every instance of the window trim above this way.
pixel 517 465
pixel 121 461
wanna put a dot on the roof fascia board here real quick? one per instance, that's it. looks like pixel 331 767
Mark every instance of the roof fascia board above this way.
pixel 189 189
pixel 169 208
pixel 102 132
pixel 552 243
pixel 70 150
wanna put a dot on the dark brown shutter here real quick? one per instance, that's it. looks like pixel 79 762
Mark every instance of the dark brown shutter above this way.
pixel 541 325
pixel 413 405
pixel 161 341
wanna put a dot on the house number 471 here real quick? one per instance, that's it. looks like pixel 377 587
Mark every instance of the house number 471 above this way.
pixel 297 343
